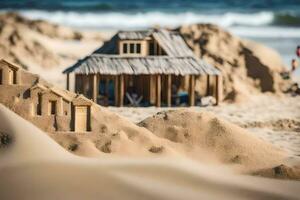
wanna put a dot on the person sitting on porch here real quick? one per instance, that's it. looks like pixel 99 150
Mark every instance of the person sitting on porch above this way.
pixel 179 96
pixel 133 98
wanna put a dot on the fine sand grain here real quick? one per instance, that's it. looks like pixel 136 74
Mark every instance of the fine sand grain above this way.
pixel 272 118
pixel 225 141
pixel 32 166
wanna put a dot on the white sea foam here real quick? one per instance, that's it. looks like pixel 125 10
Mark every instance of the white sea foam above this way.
pixel 143 20
pixel 266 32
pixel 245 25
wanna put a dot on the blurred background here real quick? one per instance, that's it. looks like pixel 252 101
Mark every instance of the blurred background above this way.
pixel 275 23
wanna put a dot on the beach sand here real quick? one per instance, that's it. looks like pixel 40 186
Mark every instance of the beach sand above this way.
pixel 275 119
pixel 32 166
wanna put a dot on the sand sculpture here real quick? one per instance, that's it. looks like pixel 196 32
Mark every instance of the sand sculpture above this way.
pixel 48 107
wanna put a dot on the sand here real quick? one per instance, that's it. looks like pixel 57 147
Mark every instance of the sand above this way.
pixel 184 133
pixel 247 67
pixel 44 48
pixel 228 143
pixel 272 118
pixel 200 136
pixel 32 166
pixel 180 133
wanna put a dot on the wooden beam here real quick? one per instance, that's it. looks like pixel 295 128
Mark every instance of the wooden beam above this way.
pixel 98 86
pixel 68 81
pixel 106 93
pixel 116 91
pixel 95 88
pixel 121 90
pixel 219 89
pixel 208 86
pixel 76 83
pixel 158 90
pixel 152 89
pixel 106 85
pixel 86 87
pixel 169 90
pixel 192 90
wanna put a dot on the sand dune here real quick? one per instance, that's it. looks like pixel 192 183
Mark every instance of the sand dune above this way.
pixel 225 141
pixel 247 67
pixel 32 166
pixel 42 47
pixel 200 136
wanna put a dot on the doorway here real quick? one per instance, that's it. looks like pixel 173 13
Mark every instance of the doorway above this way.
pixel 81 119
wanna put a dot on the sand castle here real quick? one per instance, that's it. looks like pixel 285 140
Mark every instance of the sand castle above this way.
pixel 44 105
pixel 154 65
pixel 87 129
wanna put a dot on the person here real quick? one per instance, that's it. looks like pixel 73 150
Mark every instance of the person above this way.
pixel 287 74
pixel 298 51
pixel 294 65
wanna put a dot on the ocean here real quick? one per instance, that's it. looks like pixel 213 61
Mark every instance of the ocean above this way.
pixel 275 23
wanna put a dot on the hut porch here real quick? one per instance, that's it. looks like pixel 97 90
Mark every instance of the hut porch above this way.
pixel 145 90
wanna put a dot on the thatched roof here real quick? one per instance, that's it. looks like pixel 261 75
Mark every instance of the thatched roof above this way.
pixel 180 59
pixel 114 64
pixel 171 42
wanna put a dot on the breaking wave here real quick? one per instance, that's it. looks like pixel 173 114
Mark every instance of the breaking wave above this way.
pixel 118 20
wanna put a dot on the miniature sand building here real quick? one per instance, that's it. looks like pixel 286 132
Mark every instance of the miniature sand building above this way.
pixel 155 65
pixel 46 106
pixel 8 73
pixel 65 111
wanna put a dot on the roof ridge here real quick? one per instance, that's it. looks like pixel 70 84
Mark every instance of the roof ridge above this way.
pixel 128 57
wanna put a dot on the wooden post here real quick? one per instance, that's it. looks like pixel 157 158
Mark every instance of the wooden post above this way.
pixel 208 86
pixel 152 89
pixel 106 93
pixel 192 90
pixel 116 91
pixel 76 83
pixel 106 85
pixel 98 86
pixel 68 81
pixel 121 90
pixel 86 86
pixel 169 91
pixel 95 88
pixel 158 90
pixel 219 89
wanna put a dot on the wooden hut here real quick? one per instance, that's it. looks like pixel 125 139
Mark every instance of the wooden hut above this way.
pixel 153 65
